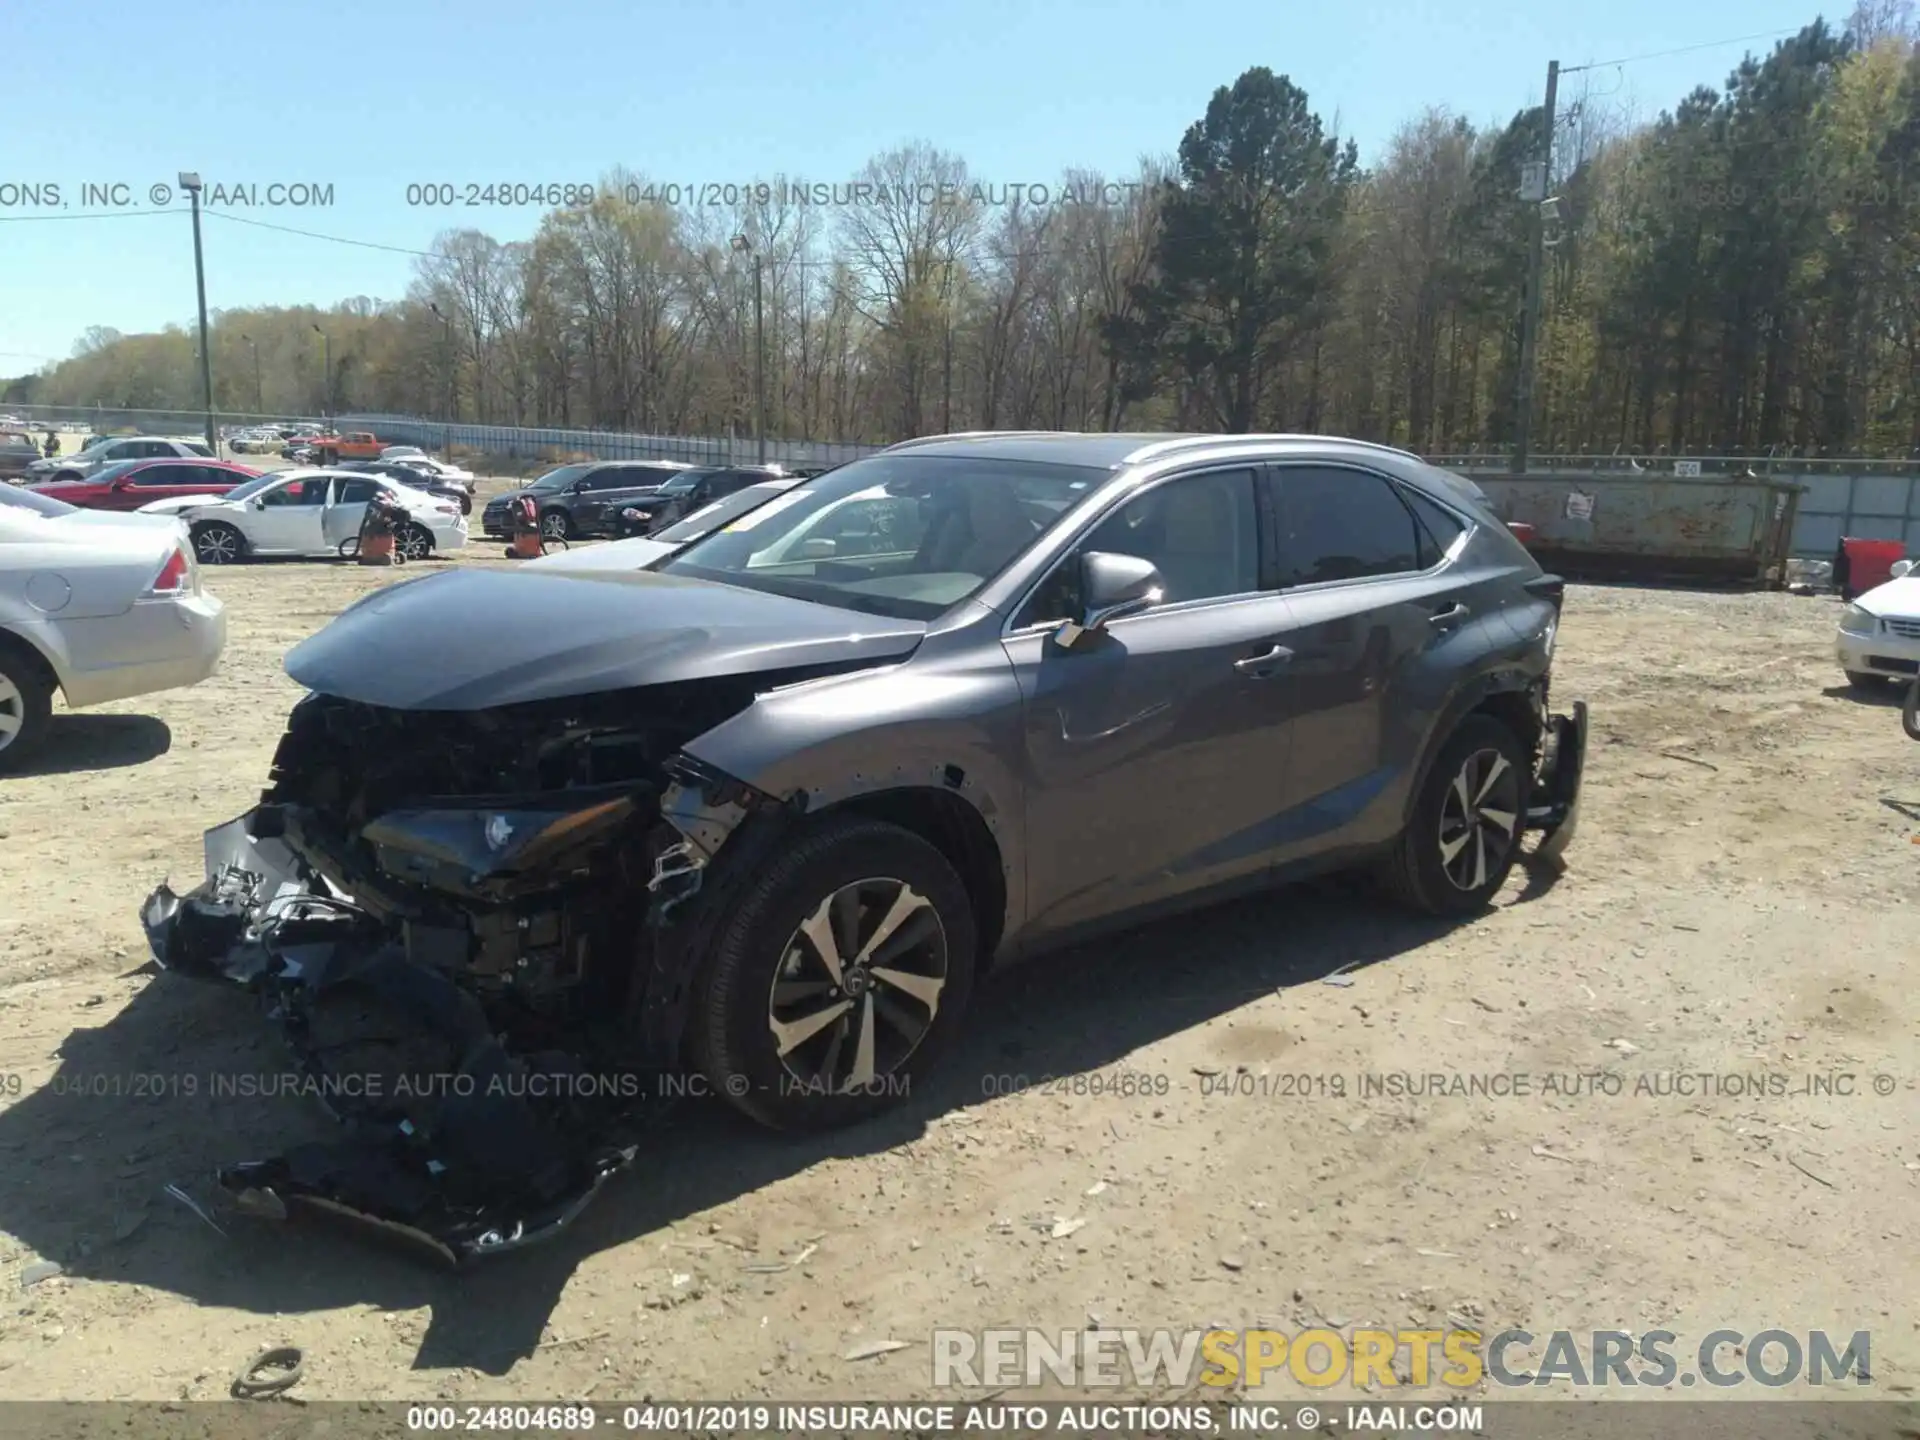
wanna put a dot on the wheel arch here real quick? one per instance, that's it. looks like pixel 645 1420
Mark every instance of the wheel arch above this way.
pixel 952 825
pixel 12 642
pixel 1513 697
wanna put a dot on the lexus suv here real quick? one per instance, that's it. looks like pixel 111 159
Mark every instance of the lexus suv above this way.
pixel 767 809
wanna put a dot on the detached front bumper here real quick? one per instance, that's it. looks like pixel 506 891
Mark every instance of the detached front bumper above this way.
pixel 456 1148
pixel 1555 813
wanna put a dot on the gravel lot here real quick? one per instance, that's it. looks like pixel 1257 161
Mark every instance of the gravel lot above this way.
pixel 1736 903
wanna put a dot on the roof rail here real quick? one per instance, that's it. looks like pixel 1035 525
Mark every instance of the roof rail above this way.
pixel 973 435
pixel 1182 442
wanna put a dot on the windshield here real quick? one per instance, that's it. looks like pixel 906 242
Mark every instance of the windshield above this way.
pixel 684 481
pixel 110 472
pixel 561 478
pixel 904 535
pixel 709 518
pixel 253 487
pixel 39 504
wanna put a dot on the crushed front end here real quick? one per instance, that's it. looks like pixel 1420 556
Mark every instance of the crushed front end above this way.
pixel 473 930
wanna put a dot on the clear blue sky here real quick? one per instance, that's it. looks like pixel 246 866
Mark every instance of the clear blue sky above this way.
pixel 371 97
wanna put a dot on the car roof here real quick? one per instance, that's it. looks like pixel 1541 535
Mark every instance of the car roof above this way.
pixel 1115 451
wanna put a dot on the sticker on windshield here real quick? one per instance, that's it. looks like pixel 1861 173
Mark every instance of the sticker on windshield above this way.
pixel 766 511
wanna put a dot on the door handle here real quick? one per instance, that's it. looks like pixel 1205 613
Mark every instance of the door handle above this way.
pixel 1260 667
pixel 1452 615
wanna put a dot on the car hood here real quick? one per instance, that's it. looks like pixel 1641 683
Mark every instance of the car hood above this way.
pixel 1900 598
pixel 475 639
pixel 180 504
pixel 60 489
pixel 621 555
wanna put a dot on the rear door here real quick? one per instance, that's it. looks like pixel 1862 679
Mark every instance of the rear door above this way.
pixel 1156 752
pixel 1374 602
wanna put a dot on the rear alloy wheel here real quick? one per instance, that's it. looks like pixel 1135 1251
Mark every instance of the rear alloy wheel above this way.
pixel 26 704
pixel 1467 822
pixel 415 542
pixel 556 525
pixel 218 543
pixel 837 979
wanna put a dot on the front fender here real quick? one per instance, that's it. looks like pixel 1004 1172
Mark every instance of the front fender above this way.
pixel 946 723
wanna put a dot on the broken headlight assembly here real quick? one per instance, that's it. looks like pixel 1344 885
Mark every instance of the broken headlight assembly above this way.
pixel 490 848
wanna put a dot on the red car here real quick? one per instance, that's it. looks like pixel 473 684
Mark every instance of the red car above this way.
pixel 133 483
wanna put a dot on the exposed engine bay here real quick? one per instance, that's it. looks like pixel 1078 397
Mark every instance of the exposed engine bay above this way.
pixel 475 931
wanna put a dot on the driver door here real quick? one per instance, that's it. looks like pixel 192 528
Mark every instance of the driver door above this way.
pixel 286 519
pixel 346 510
pixel 1156 750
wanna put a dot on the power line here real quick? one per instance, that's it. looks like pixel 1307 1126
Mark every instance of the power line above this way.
pixel 1678 50
pixel 316 235
pixel 90 215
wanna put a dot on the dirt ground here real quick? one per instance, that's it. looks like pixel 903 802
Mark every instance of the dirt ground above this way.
pixel 1736 902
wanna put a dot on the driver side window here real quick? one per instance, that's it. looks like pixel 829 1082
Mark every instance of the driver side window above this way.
pixel 1201 533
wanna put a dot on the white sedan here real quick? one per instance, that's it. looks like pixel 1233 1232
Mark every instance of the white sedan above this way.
pixel 98 605
pixel 1879 636
pixel 308 512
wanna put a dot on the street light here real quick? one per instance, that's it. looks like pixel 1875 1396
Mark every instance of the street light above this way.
pixel 259 406
pixel 742 245
pixel 190 182
pixel 326 360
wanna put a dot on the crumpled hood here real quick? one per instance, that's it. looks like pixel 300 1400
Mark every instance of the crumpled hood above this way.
pixel 475 639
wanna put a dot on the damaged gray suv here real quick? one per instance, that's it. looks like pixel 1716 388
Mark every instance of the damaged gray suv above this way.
pixel 764 811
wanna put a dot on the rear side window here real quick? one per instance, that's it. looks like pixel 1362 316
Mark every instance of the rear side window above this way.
pixel 1340 524
pixel 199 447
pixel 1440 525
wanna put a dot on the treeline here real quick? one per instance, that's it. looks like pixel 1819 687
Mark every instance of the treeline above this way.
pixel 1741 275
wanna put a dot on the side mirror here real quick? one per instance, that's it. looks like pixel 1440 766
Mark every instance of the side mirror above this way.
pixel 1901 568
pixel 1114 587
pixel 818 549
pixel 259 502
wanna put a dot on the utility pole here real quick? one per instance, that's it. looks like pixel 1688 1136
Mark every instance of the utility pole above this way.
pixel 326 362
pixel 1536 275
pixel 190 182
pixel 259 406
pixel 453 388
pixel 741 244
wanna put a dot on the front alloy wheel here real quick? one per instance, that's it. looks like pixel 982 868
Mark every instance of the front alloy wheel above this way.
pixel 838 971
pixel 216 544
pixel 858 987
pixel 555 525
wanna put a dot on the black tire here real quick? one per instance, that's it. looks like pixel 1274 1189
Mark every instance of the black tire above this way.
pixel 1910 710
pixel 1420 873
pixel 556 525
pixel 217 543
pixel 1865 680
pixel 732 1041
pixel 26 704
pixel 65 475
pixel 414 542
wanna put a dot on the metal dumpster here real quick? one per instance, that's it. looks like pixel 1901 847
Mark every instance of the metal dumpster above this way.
pixel 1642 525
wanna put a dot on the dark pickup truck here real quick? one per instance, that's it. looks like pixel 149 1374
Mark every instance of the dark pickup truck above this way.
pixel 584 499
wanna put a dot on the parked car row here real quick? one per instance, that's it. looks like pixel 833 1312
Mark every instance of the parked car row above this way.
pixel 110 449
